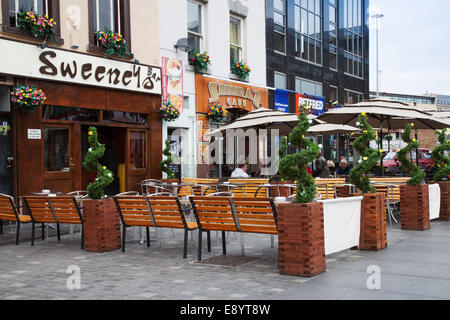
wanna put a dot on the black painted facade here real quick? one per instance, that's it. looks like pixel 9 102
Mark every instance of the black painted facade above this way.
pixel 294 67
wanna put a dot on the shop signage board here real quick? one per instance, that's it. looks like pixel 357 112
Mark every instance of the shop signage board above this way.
pixel 34 134
pixel 282 100
pixel 28 60
pixel 172 82
pixel 317 104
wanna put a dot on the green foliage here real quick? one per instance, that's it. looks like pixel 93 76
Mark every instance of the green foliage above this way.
pixel 114 43
pixel 293 166
pixel 241 69
pixel 370 157
pixel 442 161
pixel 165 164
pixel 39 26
pixel 417 175
pixel 27 98
pixel 104 176
pixel 200 61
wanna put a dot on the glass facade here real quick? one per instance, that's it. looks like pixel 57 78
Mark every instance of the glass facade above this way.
pixel 308 30
pixel 353 37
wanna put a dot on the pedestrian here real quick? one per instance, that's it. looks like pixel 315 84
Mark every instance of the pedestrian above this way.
pixel 241 171
pixel 332 167
pixel 322 170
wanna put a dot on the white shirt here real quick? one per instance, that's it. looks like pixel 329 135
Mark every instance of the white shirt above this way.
pixel 239 173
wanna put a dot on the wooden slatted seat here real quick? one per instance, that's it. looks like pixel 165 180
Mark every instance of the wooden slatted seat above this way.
pixel 67 211
pixel 157 212
pixel 40 212
pixel 326 187
pixel 247 215
pixel 9 212
pixel 249 190
pixel 194 189
pixel 394 193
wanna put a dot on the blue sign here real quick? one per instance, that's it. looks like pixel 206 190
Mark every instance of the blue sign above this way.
pixel 282 100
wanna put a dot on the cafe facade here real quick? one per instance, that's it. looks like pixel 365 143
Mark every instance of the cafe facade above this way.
pixel 83 87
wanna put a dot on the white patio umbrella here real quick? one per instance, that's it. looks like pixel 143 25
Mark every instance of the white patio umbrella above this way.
pixel 331 128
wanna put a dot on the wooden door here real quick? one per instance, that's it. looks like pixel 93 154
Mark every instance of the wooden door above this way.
pixel 137 159
pixel 61 157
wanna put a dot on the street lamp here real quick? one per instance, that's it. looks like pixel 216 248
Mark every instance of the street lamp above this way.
pixel 378 17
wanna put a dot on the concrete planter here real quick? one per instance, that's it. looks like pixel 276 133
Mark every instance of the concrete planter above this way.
pixel 101 225
pixel 301 241
pixel 415 207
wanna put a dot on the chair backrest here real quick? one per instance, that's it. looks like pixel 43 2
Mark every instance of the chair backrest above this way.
pixel 194 188
pixel 39 209
pixel 326 186
pixel 7 208
pixel 255 215
pixel 133 211
pixel 214 213
pixel 66 209
pixel 166 212
pixel 250 188
pixel 392 192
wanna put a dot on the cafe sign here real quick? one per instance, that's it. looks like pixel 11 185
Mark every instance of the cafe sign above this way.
pixel 26 60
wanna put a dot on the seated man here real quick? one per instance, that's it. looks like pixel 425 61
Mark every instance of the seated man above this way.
pixel 344 169
pixel 240 171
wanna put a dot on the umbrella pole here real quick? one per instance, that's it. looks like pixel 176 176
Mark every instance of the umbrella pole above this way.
pixel 417 150
pixel 381 148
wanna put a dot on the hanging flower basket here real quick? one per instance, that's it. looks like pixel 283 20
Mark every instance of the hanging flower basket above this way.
pixel 241 69
pixel 39 26
pixel 114 43
pixel 27 98
pixel 200 61
pixel 217 113
pixel 169 112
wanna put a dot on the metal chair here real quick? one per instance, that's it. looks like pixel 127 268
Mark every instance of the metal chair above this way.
pixel 154 183
pixel 78 194
pixel 128 193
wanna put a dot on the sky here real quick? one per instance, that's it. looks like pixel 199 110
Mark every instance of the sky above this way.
pixel 414 46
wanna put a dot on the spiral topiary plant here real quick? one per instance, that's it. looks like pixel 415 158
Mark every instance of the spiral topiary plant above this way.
pixel 165 164
pixel 293 166
pixel 442 161
pixel 370 156
pixel 104 177
pixel 417 175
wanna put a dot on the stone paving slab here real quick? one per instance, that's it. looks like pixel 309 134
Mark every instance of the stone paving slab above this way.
pixel 416 265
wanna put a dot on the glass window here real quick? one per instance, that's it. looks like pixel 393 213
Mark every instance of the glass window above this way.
pixel 308 87
pixel 69 114
pixel 56 149
pixel 279 18
pixel 353 37
pixel 235 40
pixel 333 94
pixel 124 117
pixel 137 150
pixel 39 6
pixel 194 27
pixel 106 13
pixel 280 81
pixel 308 28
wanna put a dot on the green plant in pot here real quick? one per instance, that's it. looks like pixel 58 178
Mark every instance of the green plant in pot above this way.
pixel 165 164
pixel 104 176
pixel 293 166
pixel 417 175
pixel 370 157
pixel 442 166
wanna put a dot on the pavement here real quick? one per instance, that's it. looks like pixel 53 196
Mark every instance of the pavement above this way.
pixel 415 266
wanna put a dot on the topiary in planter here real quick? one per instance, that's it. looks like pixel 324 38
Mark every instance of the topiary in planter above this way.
pixel 442 161
pixel 104 177
pixel 165 164
pixel 417 175
pixel 370 157
pixel 293 166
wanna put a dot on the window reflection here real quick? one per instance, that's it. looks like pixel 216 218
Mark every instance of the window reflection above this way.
pixel 137 150
pixel 69 114
pixel 56 149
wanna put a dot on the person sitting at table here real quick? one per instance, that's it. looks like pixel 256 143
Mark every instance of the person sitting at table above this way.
pixel 240 171
pixel 344 169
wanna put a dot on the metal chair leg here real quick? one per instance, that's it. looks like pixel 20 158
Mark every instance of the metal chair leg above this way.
pixel 32 233
pixel 82 237
pixel 58 231
pixel 1 226
pixel 124 236
pixel 208 233
pixel 147 229
pixel 17 233
pixel 185 243
pixel 241 235
pixel 224 243
pixel 199 245
pixel 43 231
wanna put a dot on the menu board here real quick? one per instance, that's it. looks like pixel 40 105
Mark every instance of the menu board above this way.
pixel 202 128
pixel 172 82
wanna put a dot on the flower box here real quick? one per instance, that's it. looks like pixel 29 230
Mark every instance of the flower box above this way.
pixel 101 225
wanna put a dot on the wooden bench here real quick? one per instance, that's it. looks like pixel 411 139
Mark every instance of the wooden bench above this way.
pixel 9 212
pixel 58 210
pixel 250 188
pixel 326 187
pixel 247 215
pixel 394 192
pixel 197 186
pixel 157 212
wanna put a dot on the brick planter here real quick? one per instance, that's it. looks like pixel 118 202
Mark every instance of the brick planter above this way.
pixel 301 243
pixel 415 207
pixel 284 191
pixel 373 234
pixel 101 225
pixel 445 200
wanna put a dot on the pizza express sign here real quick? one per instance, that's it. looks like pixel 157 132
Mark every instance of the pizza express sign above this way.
pixel 26 60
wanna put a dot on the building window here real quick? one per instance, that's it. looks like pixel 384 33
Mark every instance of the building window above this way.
pixel 303 86
pixel 308 30
pixel 280 81
pixel 333 34
pixel 43 7
pixel 137 150
pixel 279 29
pixel 352 97
pixel 353 38
pixel 109 15
pixel 235 40
pixel 194 27
pixel 333 94
pixel 56 149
